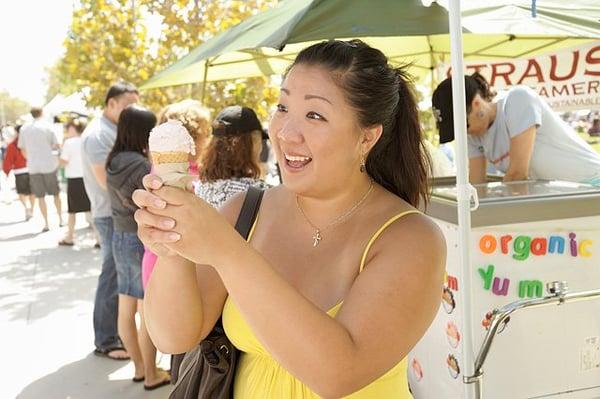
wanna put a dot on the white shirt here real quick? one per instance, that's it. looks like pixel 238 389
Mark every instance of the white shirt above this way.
pixel 71 153
pixel 558 152
pixel 38 140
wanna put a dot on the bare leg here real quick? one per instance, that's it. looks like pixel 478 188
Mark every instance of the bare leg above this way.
pixel 22 198
pixel 31 205
pixel 88 218
pixel 71 229
pixel 128 331
pixel 58 206
pixel 153 374
pixel 43 210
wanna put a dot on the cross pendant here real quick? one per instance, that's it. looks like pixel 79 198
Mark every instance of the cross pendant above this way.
pixel 316 238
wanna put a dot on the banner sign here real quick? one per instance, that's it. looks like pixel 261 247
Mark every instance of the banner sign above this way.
pixel 568 79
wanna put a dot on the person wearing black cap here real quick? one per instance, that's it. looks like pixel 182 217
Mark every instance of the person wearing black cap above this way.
pixel 232 160
pixel 519 134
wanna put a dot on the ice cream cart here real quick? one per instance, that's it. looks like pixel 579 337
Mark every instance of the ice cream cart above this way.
pixel 523 236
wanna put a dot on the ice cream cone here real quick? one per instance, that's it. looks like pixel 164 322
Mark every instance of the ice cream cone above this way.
pixel 170 148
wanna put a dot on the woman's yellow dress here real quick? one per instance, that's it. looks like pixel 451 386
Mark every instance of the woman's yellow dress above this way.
pixel 259 376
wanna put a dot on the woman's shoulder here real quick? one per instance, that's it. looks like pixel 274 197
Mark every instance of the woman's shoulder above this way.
pixel 399 221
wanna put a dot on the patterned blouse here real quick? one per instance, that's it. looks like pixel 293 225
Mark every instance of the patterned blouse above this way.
pixel 218 191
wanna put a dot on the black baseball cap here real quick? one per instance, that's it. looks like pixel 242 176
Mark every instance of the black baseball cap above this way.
pixel 236 120
pixel 441 102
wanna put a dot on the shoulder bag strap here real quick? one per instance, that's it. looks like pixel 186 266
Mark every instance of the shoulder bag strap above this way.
pixel 249 211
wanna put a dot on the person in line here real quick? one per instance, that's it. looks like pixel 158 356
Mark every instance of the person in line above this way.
pixel 70 159
pixel 38 143
pixel 96 142
pixel 126 165
pixel 342 275
pixel 518 134
pixel 232 163
pixel 15 161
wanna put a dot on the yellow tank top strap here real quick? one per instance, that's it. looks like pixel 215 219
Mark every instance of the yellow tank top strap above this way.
pixel 379 232
pixel 253 228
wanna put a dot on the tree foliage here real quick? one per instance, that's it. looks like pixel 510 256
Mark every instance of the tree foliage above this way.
pixel 11 108
pixel 112 40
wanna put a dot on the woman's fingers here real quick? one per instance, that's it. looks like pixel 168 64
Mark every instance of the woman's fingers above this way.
pixel 173 195
pixel 145 199
pixel 152 237
pixel 152 182
pixel 148 219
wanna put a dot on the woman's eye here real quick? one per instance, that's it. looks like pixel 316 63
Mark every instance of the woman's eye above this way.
pixel 281 108
pixel 315 116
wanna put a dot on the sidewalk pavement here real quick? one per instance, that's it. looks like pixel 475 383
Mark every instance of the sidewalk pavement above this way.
pixel 46 302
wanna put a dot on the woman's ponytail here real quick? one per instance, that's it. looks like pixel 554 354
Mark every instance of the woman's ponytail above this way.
pixel 399 161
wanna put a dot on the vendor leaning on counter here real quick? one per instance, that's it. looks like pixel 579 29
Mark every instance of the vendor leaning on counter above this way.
pixel 519 134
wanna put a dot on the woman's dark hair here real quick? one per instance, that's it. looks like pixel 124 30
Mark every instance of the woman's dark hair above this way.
pixel 230 157
pixel 78 124
pixel 133 130
pixel 476 84
pixel 380 94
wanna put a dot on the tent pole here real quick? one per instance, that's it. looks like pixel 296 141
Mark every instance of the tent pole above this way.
pixel 204 81
pixel 464 192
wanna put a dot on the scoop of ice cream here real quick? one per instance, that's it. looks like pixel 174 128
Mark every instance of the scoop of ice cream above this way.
pixel 171 136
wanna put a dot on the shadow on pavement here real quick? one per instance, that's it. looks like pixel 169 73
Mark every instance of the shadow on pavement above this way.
pixel 21 237
pixel 51 278
pixel 88 378
pixel 12 223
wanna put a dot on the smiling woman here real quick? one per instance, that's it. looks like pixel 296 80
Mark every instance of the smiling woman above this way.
pixel 341 274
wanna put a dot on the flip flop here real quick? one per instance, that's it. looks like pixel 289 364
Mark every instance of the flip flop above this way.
pixel 138 379
pixel 66 243
pixel 106 353
pixel 157 385
pixel 45 229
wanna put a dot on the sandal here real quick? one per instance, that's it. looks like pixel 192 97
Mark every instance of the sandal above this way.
pixel 138 379
pixel 106 353
pixel 66 243
pixel 162 383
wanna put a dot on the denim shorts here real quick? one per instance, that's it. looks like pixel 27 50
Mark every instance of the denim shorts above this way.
pixel 128 251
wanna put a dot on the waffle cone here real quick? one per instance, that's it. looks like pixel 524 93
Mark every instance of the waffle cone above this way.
pixel 169 157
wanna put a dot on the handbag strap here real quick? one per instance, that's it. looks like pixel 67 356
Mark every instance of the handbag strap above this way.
pixel 249 211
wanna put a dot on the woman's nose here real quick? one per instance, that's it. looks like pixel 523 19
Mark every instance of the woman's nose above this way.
pixel 290 133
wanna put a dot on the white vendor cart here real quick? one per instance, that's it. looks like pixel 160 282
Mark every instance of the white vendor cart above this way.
pixel 533 296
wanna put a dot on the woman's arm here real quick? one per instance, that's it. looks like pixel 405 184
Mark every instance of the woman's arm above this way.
pixel 388 308
pixel 521 148
pixel 477 170
pixel 182 302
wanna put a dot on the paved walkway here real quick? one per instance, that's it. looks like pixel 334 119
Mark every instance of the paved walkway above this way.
pixel 46 303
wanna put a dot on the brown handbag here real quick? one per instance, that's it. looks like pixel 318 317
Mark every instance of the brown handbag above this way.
pixel 208 370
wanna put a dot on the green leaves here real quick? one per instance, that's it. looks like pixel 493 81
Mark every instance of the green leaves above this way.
pixel 112 40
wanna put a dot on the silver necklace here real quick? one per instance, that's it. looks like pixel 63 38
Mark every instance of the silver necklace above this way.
pixel 317 237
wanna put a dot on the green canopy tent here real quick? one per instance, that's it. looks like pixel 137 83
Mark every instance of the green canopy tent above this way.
pixel 405 30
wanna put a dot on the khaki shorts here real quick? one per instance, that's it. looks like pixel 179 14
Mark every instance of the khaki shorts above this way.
pixel 43 184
